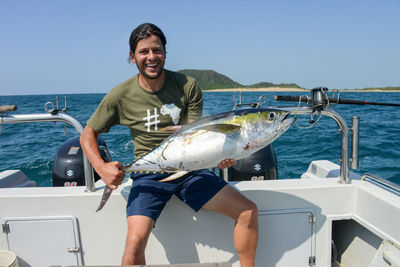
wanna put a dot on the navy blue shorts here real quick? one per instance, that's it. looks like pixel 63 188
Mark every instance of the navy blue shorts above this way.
pixel 148 196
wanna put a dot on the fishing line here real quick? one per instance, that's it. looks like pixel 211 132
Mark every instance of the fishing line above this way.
pixel 313 122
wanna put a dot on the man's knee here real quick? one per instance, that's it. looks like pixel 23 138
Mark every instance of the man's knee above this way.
pixel 135 245
pixel 249 214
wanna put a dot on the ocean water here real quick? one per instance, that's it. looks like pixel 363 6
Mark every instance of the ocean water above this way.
pixel 31 147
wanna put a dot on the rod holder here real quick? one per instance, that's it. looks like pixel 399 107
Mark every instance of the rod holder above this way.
pixel 355 121
pixel 344 133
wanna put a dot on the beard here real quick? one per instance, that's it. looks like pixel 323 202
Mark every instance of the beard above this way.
pixel 153 76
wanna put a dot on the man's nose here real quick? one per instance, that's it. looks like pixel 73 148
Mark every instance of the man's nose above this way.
pixel 151 55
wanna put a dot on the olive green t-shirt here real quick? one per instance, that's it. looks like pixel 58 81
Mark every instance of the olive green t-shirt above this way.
pixel 145 113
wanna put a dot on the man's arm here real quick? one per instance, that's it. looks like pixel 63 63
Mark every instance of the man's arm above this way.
pixel 108 171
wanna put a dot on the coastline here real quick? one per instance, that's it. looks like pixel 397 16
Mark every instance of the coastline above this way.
pixel 280 89
pixel 269 89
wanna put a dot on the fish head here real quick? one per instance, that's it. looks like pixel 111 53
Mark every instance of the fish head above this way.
pixel 261 126
pixel 278 119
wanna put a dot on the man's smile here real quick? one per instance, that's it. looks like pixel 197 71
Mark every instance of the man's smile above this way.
pixel 151 65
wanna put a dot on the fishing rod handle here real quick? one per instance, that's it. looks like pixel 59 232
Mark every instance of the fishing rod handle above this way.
pixel 7 108
pixel 291 98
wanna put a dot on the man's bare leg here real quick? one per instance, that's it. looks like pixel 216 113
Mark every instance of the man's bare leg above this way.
pixel 139 229
pixel 245 234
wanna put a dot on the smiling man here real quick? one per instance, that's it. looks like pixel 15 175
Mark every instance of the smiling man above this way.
pixel 157 98
pixel 149 57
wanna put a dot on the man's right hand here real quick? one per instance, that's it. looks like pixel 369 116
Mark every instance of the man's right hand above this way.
pixel 111 174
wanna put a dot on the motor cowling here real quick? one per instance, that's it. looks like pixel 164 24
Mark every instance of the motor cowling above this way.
pixel 261 165
pixel 68 167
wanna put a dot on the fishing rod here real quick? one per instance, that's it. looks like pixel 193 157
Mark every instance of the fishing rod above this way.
pixel 319 98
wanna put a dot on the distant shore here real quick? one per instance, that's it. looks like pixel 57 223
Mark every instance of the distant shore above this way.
pixel 269 89
pixel 281 89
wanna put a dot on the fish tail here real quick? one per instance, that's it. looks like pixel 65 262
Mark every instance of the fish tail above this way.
pixel 106 195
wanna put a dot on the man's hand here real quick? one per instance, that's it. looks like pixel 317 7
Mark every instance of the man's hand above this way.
pixel 227 163
pixel 111 174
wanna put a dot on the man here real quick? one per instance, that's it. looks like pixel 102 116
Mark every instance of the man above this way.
pixel 149 101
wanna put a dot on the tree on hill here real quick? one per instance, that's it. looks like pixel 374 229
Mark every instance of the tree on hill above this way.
pixel 268 84
pixel 210 79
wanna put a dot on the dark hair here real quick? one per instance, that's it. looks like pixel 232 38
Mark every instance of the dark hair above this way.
pixel 143 31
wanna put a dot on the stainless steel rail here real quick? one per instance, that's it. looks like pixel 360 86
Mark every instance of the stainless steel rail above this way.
pixel 355 122
pixel 48 117
pixel 381 181
pixel 344 132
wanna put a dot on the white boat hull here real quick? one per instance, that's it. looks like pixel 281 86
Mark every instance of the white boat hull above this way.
pixel 298 218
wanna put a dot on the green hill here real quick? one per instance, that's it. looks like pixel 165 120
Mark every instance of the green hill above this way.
pixel 268 84
pixel 209 79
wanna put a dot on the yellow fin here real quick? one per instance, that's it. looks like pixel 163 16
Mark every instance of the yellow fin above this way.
pixel 174 176
pixel 221 127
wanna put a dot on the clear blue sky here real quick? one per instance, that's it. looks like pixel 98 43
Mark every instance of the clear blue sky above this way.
pixel 82 46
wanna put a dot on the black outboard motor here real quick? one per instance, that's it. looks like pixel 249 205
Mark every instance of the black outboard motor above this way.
pixel 68 167
pixel 261 165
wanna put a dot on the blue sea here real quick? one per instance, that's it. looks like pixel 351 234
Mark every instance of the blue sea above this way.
pixel 31 147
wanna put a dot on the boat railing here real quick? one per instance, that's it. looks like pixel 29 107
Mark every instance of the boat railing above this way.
pixel 344 133
pixel 387 185
pixel 318 104
pixel 53 115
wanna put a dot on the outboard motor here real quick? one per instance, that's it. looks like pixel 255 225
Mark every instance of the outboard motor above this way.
pixel 68 167
pixel 261 165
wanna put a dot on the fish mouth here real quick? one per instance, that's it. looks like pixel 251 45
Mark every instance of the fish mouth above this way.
pixel 287 116
pixel 286 122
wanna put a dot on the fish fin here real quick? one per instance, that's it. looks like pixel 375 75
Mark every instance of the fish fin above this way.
pixel 174 128
pixel 174 176
pixel 106 194
pixel 221 127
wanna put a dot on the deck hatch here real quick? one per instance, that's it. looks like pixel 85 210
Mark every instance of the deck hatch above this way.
pixel 57 236
pixel 286 238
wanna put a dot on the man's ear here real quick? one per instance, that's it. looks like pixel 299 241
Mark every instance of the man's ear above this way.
pixel 132 57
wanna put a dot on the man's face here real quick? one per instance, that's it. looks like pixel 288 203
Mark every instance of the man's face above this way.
pixel 149 57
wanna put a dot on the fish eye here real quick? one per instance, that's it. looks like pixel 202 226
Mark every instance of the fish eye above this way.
pixel 271 115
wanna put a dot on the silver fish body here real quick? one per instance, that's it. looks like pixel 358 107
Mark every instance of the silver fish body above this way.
pixel 206 142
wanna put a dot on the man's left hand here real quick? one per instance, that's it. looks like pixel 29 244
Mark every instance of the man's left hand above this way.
pixel 227 163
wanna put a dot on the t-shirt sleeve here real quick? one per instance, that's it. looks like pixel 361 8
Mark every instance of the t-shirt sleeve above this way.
pixel 195 103
pixel 105 115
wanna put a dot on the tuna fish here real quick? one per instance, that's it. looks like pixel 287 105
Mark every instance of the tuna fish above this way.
pixel 205 143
